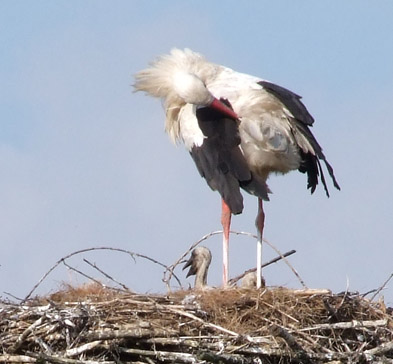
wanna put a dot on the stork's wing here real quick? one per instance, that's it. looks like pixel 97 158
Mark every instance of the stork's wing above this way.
pixel 221 162
pixel 290 100
pixel 301 121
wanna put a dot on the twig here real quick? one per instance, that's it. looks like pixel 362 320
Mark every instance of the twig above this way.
pixel 6 358
pixel 107 275
pixel 210 357
pixel 14 297
pixel 382 287
pixel 277 251
pixel 344 295
pixel 278 310
pixel 132 254
pixel 83 348
pixel 311 291
pixel 208 324
pixel 129 333
pixel 233 280
pixel 287 263
pixel 193 342
pixel 172 357
pixel 84 274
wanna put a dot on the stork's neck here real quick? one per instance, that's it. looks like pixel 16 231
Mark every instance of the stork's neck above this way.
pixel 201 275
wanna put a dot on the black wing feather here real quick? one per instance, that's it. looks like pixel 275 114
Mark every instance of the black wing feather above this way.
pixel 220 160
pixel 301 121
pixel 290 100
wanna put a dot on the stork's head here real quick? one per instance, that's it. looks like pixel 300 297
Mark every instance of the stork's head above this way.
pixel 192 90
pixel 177 79
pixel 199 265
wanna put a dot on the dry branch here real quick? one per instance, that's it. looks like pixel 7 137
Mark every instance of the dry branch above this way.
pixel 19 341
pixel 381 349
pixel 107 275
pixel 64 259
pixel 82 349
pixel 382 287
pixel 7 358
pixel 348 325
pixel 233 280
pixel 216 327
pixel 165 356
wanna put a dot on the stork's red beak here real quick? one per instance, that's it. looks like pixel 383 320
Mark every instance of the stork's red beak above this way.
pixel 220 106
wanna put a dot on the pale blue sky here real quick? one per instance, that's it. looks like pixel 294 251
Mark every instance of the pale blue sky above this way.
pixel 85 162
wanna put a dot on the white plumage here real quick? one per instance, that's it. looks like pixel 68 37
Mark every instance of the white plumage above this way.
pixel 238 128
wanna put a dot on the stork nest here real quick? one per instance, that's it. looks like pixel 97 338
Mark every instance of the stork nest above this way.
pixel 91 324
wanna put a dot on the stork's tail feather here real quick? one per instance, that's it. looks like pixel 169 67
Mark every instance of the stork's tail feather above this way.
pixel 311 158
pixel 321 156
pixel 312 166
pixel 322 178
pixel 331 173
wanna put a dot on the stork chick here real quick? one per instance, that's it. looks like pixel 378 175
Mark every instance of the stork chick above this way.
pixel 199 263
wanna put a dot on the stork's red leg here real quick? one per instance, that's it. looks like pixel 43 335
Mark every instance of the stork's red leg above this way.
pixel 226 225
pixel 260 223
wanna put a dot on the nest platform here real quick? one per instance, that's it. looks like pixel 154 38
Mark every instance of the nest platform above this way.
pixel 91 324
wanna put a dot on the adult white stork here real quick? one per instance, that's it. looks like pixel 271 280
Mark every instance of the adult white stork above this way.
pixel 238 129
